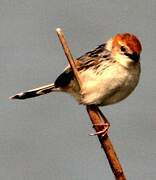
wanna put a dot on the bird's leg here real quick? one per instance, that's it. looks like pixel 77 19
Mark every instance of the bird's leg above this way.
pixel 102 125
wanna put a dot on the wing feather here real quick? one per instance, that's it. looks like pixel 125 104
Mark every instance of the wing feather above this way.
pixel 91 59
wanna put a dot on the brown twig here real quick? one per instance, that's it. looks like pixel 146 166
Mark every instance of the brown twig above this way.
pixel 96 116
pixel 69 55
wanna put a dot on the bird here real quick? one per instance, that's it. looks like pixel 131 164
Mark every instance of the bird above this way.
pixel 109 73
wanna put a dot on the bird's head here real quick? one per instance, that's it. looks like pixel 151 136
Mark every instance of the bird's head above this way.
pixel 126 48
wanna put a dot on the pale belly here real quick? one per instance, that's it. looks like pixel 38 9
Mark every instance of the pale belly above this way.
pixel 109 88
pixel 110 96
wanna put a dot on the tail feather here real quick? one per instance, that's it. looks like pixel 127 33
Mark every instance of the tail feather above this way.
pixel 35 92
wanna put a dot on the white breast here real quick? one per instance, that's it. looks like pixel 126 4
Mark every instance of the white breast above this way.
pixel 114 84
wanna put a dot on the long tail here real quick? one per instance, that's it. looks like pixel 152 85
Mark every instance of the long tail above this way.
pixel 35 92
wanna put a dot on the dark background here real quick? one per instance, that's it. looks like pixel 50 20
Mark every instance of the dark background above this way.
pixel 47 137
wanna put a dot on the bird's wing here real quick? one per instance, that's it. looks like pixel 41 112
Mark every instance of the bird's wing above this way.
pixel 91 59
pixel 99 51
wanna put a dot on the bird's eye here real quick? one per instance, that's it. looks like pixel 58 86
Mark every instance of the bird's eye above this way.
pixel 123 49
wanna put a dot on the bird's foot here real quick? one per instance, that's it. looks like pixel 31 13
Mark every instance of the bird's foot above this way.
pixel 104 129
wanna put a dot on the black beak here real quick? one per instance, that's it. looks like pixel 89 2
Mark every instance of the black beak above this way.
pixel 135 57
